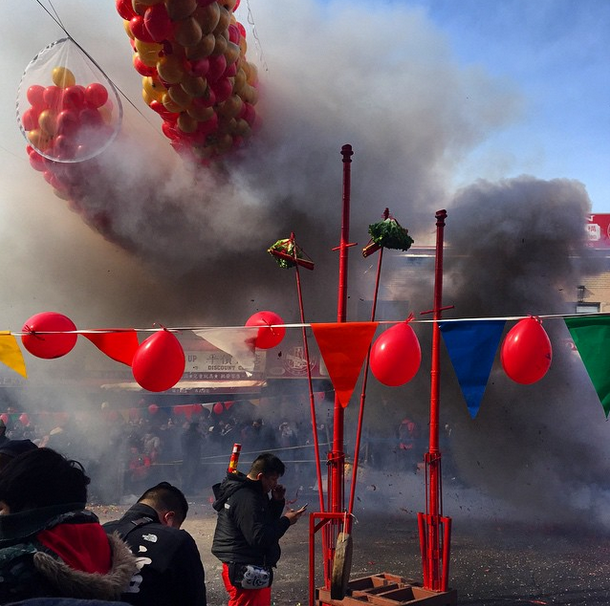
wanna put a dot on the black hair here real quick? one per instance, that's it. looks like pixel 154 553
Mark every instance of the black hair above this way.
pixel 267 463
pixel 42 478
pixel 166 497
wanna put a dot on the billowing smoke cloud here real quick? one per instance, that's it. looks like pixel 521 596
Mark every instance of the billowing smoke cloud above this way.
pixel 409 110
pixel 187 243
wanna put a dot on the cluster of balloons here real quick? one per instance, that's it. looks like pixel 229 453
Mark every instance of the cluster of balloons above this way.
pixel 67 109
pixel 158 362
pixel 69 112
pixel 526 353
pixel 191 55
pixel 66 121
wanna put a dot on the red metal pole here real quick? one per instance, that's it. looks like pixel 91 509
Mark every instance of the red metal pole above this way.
pixel 433 539
pixel 312 405
pixel 336 457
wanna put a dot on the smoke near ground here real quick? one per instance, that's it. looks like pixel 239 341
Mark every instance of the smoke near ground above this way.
pixel 187 243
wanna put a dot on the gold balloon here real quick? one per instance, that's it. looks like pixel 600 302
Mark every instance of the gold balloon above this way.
pixel 48 122
pixel 251 73
pixel 153 88
pixel 240 82
pixel 186 124
pixel 220 45
pixel 170 69
pixel 207 17
pixel 63 77
pixel 195 86
pixel 203 49
pixel 231 107
pixel 179 96
pixel 242 128
pixel 180 9
pixel 199 113
pixel 169 105
pixel 232 52
pixel 188 32
pixel 128 29
pixel 148 52
pixel 38 139
pixel 223 22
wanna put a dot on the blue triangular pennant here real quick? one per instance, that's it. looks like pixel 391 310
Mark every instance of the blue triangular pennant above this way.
pixel 472 346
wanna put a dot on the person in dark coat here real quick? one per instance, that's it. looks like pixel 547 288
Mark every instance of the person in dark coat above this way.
pixel 50 545
pixel 249 527
pixel 170 569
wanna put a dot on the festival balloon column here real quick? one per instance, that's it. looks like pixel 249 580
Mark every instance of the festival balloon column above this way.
pixel 191 55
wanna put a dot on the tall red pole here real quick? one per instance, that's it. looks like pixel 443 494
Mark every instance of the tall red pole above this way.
pixel 434 528
pixel 336 457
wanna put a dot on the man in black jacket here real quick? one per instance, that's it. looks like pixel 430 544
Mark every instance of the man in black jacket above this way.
pixel 248 529
pixel 170 568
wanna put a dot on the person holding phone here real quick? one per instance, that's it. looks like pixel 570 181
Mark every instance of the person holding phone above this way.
pixel 251 521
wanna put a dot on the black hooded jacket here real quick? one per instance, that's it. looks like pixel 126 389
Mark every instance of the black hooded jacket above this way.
pixel 170 569
pixel 249 525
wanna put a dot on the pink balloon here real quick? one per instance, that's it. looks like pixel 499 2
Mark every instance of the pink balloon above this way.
pixel 159 362
pixel 5 418
pixel 48 346
pixel 24 419
pixel 153 409
pixel 526 352
pixel 269 335
pixel 396 355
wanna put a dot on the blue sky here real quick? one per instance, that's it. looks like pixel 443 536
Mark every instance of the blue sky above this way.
pixel 557 52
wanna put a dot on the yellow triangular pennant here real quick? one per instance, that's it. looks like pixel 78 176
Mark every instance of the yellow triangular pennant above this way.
pixel 10 354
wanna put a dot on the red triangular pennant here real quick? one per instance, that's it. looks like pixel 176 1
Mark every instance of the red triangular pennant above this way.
pixel 120 345
pixel 344 346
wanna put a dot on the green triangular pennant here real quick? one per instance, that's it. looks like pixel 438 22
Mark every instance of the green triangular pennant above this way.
pixel 591 336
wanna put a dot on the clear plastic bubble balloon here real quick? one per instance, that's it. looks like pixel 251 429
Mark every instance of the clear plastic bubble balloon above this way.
pixel 67 109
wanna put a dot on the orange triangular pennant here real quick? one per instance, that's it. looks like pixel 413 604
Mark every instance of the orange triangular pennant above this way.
pixel 344 346
pixel 120 344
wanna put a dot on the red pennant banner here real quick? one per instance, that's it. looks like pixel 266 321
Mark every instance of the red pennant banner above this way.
pixel 344 346
pixel 120 345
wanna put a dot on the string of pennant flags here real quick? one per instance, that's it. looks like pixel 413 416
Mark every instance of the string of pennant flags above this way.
pixel 158 362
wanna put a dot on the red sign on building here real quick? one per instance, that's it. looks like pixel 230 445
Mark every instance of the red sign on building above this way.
pixel 598 231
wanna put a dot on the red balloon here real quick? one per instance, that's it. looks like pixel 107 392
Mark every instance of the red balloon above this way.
pixel 269 335
pixel 5 418
pixel 96 94
pixel 153 409
pixel 24 419
pixel 139 30
pixel 526 352
pixel 125 9
pixel 396 355
pixel 218 408
pixel 159 362
pixel 34 95
pixel 158 23
pixel 48 346
pixel 74 97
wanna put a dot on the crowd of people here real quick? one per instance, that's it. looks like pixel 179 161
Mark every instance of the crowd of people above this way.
pixel 125 455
